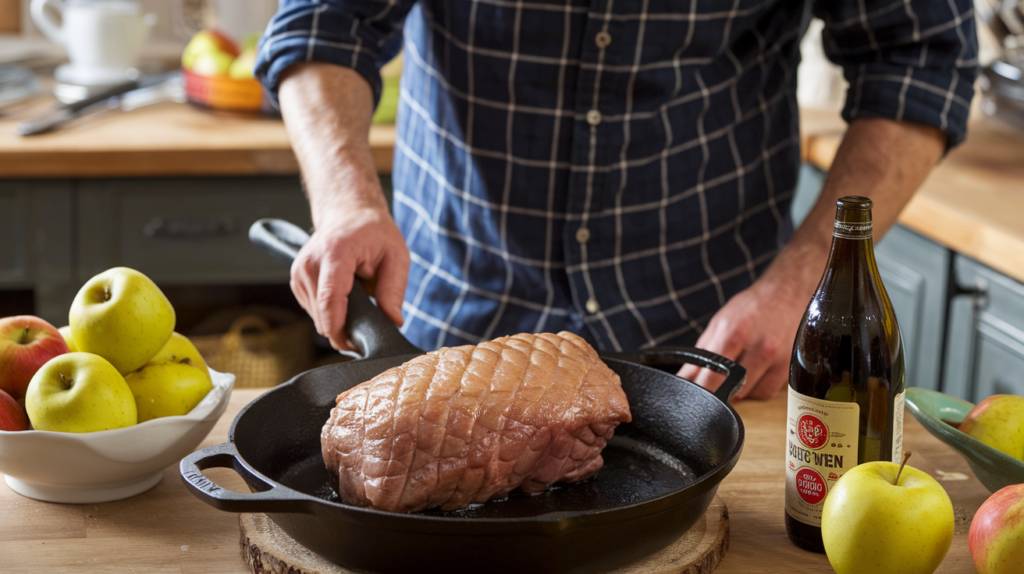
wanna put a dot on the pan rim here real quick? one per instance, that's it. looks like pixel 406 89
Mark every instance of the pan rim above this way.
pixel 701 484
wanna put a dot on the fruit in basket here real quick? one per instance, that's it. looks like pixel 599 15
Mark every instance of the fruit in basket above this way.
pixel 26 344
pixel 208 41
pixel 996 539
pixel 212 64
pixel 882 517
pixel 65 332
pixel 172 383
pixel 122 316
pixel 12 416
pixel 79 392
pixel 998 421
pixel 242 67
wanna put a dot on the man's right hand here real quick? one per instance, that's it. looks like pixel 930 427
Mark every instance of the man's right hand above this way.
pixel 363 242
pixel 327 110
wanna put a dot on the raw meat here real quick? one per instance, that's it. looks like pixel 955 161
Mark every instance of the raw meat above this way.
pixel 469 424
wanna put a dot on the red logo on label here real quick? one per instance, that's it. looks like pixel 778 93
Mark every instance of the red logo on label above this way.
pixel 810 485
pixel 812 432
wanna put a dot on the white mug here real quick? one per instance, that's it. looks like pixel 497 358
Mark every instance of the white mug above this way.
pixel 103 38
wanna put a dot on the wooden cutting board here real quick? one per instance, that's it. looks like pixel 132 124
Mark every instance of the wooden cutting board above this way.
pixel 267 549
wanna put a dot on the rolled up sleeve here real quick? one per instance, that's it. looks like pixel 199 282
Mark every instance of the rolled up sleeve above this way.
pixel 906 60
pixel 359 34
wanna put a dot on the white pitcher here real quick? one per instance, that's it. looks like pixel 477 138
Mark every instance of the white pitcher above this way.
pixel 103 38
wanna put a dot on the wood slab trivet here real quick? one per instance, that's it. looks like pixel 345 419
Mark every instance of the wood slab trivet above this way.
pixel 268 549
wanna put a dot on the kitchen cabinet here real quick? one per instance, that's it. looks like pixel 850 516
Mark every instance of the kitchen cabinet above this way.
pixel 36 235
pixel 985 341
pixel 914 270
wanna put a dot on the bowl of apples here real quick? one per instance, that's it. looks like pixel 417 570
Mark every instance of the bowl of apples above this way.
pixel 96 411
pixel 989 435
pixel 219 73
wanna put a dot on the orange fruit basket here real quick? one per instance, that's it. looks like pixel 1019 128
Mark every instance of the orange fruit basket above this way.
pixel 224 93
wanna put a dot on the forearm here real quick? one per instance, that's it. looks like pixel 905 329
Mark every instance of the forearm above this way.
pixel 878 158
pixel 327 111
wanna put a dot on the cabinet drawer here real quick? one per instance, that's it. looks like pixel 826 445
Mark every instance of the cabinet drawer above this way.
pixel 35 233
pixel 185 231
pixel 985 350
pixel 13 236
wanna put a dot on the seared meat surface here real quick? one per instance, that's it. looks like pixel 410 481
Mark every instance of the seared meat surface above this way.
pixel 468 424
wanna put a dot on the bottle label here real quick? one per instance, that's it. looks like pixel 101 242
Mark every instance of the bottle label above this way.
pixel 897 428
pixel 855 230
pixel 821 445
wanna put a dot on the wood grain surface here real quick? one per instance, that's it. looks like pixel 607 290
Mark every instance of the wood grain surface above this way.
pixel 267 549
pixel 169 530
pixel 167 139
pixel 972 202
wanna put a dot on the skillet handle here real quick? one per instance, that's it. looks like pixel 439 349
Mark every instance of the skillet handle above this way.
pixel 735 375
pixel 275 498
pixel 365 324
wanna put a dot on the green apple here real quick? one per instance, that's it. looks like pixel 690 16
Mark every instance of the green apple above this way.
pixel 205 42
pixel 242 67
pixel 881 519
pixel 998 421
pixel 65 332
pixel 122 316
pixel 79 392
pixel 168 389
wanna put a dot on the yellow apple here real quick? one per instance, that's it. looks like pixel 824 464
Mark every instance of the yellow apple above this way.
pixel 65 332
pixel 79 392
pixel 212 64
pixel 178 348
pixel 871 523
pixel 998 421
pixel 172 382
pixel 206 42
pixel 242 66
pixel 122 316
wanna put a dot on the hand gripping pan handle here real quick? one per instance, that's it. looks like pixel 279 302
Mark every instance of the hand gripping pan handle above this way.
pixel 365 324
pixel 735 375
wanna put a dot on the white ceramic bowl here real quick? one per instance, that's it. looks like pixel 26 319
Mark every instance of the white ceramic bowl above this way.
pixel 107 465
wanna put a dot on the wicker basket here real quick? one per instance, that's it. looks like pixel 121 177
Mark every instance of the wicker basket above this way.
pixel 257 353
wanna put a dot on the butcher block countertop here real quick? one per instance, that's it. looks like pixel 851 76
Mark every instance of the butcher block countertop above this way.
pixel 169 530
pixel 167 139
pixel 972 202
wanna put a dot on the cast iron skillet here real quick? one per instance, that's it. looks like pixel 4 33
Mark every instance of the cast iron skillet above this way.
pixel 660 474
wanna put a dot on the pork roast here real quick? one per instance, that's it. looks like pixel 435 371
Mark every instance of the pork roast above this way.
pixel 468 424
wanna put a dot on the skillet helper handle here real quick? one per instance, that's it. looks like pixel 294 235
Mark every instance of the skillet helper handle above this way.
pixel 275 498
pixel 735 375
pixel 365 324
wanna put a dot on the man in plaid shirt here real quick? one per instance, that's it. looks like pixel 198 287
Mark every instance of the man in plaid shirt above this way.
pixel 620 169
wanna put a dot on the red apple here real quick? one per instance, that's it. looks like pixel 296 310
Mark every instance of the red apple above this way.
pixel 996 539
pixel 12 416
pixel 26 343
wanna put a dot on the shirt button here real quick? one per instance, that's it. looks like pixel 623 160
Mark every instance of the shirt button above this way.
pixel 582 235
pixel 593 117
pixel 592 306
pixel 602 39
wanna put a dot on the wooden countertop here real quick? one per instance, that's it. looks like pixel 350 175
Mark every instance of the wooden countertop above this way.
pixel 972 202
pixel 167 139
pixel 169 530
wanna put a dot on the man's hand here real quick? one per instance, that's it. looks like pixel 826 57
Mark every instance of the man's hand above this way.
pixel 362 242
pixel 328 110
pixel 880 159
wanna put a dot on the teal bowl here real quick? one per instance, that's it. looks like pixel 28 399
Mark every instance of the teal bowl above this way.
pixel 936 410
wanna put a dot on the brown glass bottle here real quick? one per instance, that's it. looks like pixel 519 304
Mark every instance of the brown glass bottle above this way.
pixel 846 372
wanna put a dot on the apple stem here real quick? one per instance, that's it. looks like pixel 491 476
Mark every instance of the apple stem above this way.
pixel 906 455
pixel 24 336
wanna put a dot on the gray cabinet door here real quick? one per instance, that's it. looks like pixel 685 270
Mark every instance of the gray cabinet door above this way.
pixel 36 244
pixel 185 230
pixel 914 270
pixel 985 347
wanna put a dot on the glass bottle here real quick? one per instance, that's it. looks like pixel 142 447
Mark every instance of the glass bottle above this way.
pixel 846 376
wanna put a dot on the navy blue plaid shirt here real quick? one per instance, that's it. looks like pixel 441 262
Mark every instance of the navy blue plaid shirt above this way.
pixel 618 169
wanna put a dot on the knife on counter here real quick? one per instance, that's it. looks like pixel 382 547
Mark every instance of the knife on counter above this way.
pixel 125 96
